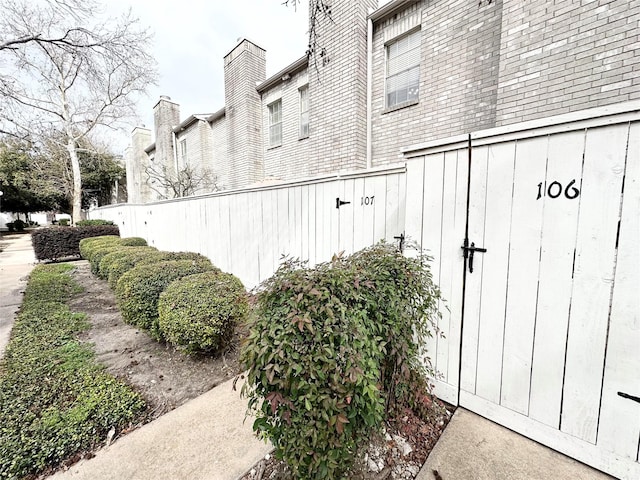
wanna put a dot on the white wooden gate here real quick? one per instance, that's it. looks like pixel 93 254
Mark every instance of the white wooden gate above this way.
pixel 545 338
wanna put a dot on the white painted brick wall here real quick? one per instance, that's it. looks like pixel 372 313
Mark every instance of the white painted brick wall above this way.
pixel 290 159
pixel 563 56
pixel 458 74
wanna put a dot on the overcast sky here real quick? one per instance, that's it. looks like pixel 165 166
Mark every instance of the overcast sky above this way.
pixel 191 37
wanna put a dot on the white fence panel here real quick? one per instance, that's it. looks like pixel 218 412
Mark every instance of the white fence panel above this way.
pixel 248 231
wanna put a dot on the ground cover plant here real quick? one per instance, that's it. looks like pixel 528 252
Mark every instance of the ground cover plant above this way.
pixel 335 349
pixel 54 399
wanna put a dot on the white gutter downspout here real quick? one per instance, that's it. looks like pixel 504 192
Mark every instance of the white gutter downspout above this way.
pixel 369 90
pixel 174 140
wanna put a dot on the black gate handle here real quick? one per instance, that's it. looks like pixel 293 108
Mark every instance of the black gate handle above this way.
pixel 630 397
pixel 469 251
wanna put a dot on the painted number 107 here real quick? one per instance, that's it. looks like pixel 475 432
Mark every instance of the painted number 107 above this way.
pixel 367 200
pixel 555 189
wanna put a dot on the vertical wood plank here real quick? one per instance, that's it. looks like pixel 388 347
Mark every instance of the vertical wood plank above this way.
pixel 323 223
pixel 266 254
pixel 555 278
pixel 297 223
pixel 593 276
pixel 284 233
pixel 473 291
pixel 359 211
pixel 376 188
pixel 335 189
pixel 225 231
pixel 524 256
pixel 255 236
pixel 415 203
pixel 499 191
pixel 383 219
pixel 313 238
pixel 454 261
pixel 619 429
pixel 346 217
pixel 450 267
pixel 432 233
pixel 304 222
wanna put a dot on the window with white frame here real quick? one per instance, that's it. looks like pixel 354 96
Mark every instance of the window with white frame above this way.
pixel 304 112
pixel 403 70
pixel 275 123
pixel 183 150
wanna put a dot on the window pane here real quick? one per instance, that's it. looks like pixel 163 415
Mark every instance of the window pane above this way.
pixel 403 69
pixel 275 123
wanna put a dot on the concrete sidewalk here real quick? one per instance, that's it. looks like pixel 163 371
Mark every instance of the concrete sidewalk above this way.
pixel 16 262
pixel 205 438
pixel 473 448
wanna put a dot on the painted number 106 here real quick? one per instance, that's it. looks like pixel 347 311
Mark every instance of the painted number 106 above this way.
pixel 555 189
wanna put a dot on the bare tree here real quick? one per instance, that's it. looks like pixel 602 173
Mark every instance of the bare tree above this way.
pixel 186 182
pixel 23 23
pixel 319 10
pixel 76 75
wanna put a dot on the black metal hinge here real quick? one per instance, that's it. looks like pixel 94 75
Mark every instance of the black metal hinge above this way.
pixel 339 202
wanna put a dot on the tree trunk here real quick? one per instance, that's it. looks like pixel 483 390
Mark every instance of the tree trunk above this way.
pixel 76 205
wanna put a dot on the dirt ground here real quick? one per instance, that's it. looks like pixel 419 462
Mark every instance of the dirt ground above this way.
pixel 165 377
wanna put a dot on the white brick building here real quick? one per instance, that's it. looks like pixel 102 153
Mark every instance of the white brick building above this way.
pixel 409 72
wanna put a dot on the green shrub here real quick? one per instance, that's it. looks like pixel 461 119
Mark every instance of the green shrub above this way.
pixel 133 242
pixel 99 251
pixel 132 259
pixel 55 401
pixel 89 223
pixel 171 256
pixel 88 245
pixel 54 243
pixel 123 256
pixel 198 313
pixel 63 222
pixel 138 290
pixel 333 349
pixel 19 225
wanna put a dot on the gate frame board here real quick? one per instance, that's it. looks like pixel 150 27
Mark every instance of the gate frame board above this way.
pixel 600 445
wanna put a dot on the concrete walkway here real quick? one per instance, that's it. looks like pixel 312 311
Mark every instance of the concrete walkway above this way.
pixel 205 438
pixel 473 448
pixel 16 262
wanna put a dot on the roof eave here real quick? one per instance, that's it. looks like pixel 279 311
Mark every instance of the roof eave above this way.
pixel 292 69
pixel 389 9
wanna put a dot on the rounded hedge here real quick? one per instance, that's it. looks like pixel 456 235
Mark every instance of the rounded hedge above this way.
pixel 98 252
pixel 116 258
pixel 171 256
pixel 133 242
pixel 138 290
pixel 198 313
pixel 132 259
pixel 88 245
